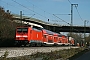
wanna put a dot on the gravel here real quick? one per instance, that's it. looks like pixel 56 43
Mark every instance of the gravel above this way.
pixel 21 51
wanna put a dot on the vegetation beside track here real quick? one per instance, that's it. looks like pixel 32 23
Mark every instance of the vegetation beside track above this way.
pixel 7 28
pixel 65 54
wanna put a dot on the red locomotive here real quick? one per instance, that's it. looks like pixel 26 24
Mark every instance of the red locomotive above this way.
pixel 39 37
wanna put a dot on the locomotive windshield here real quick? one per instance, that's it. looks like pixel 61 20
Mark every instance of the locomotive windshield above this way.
pixel 22 29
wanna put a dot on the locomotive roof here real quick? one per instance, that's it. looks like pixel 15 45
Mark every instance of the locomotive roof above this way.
pixel 48 32
pixel 22 27
pixel 32 24
pixel 60 35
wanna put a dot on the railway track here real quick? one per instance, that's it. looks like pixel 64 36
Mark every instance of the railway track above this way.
pixel 22 51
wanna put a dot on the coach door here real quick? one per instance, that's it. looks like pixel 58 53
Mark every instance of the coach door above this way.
pixel 50 38
pixel 45 38
pixel 55 39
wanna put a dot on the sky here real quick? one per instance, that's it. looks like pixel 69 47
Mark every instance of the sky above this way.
pixel 57 11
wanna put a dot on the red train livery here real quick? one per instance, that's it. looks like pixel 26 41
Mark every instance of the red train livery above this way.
pixel 39 37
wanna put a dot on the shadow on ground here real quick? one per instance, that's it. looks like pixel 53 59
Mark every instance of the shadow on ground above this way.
pixel 78 54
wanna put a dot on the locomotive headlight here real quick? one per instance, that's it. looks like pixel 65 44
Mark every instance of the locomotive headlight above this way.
pixel 18 36
pixel 24 36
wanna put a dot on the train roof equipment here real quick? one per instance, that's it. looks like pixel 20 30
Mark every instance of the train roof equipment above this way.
pixel 32 24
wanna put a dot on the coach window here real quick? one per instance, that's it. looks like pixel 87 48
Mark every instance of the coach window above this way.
pixel 55 38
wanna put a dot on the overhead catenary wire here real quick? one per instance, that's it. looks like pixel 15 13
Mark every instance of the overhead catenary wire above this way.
pixel 28 8
pixel 48 12
pixel 61 19
pixel 45 12
pixel 14 6
pixel 79 14
pixel 69 1
pixel 39 8
pixel 38 13
pixel 77 11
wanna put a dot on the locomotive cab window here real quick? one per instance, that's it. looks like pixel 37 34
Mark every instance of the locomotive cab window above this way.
pixel 22 29
pixel 25 30
pixel 19 30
